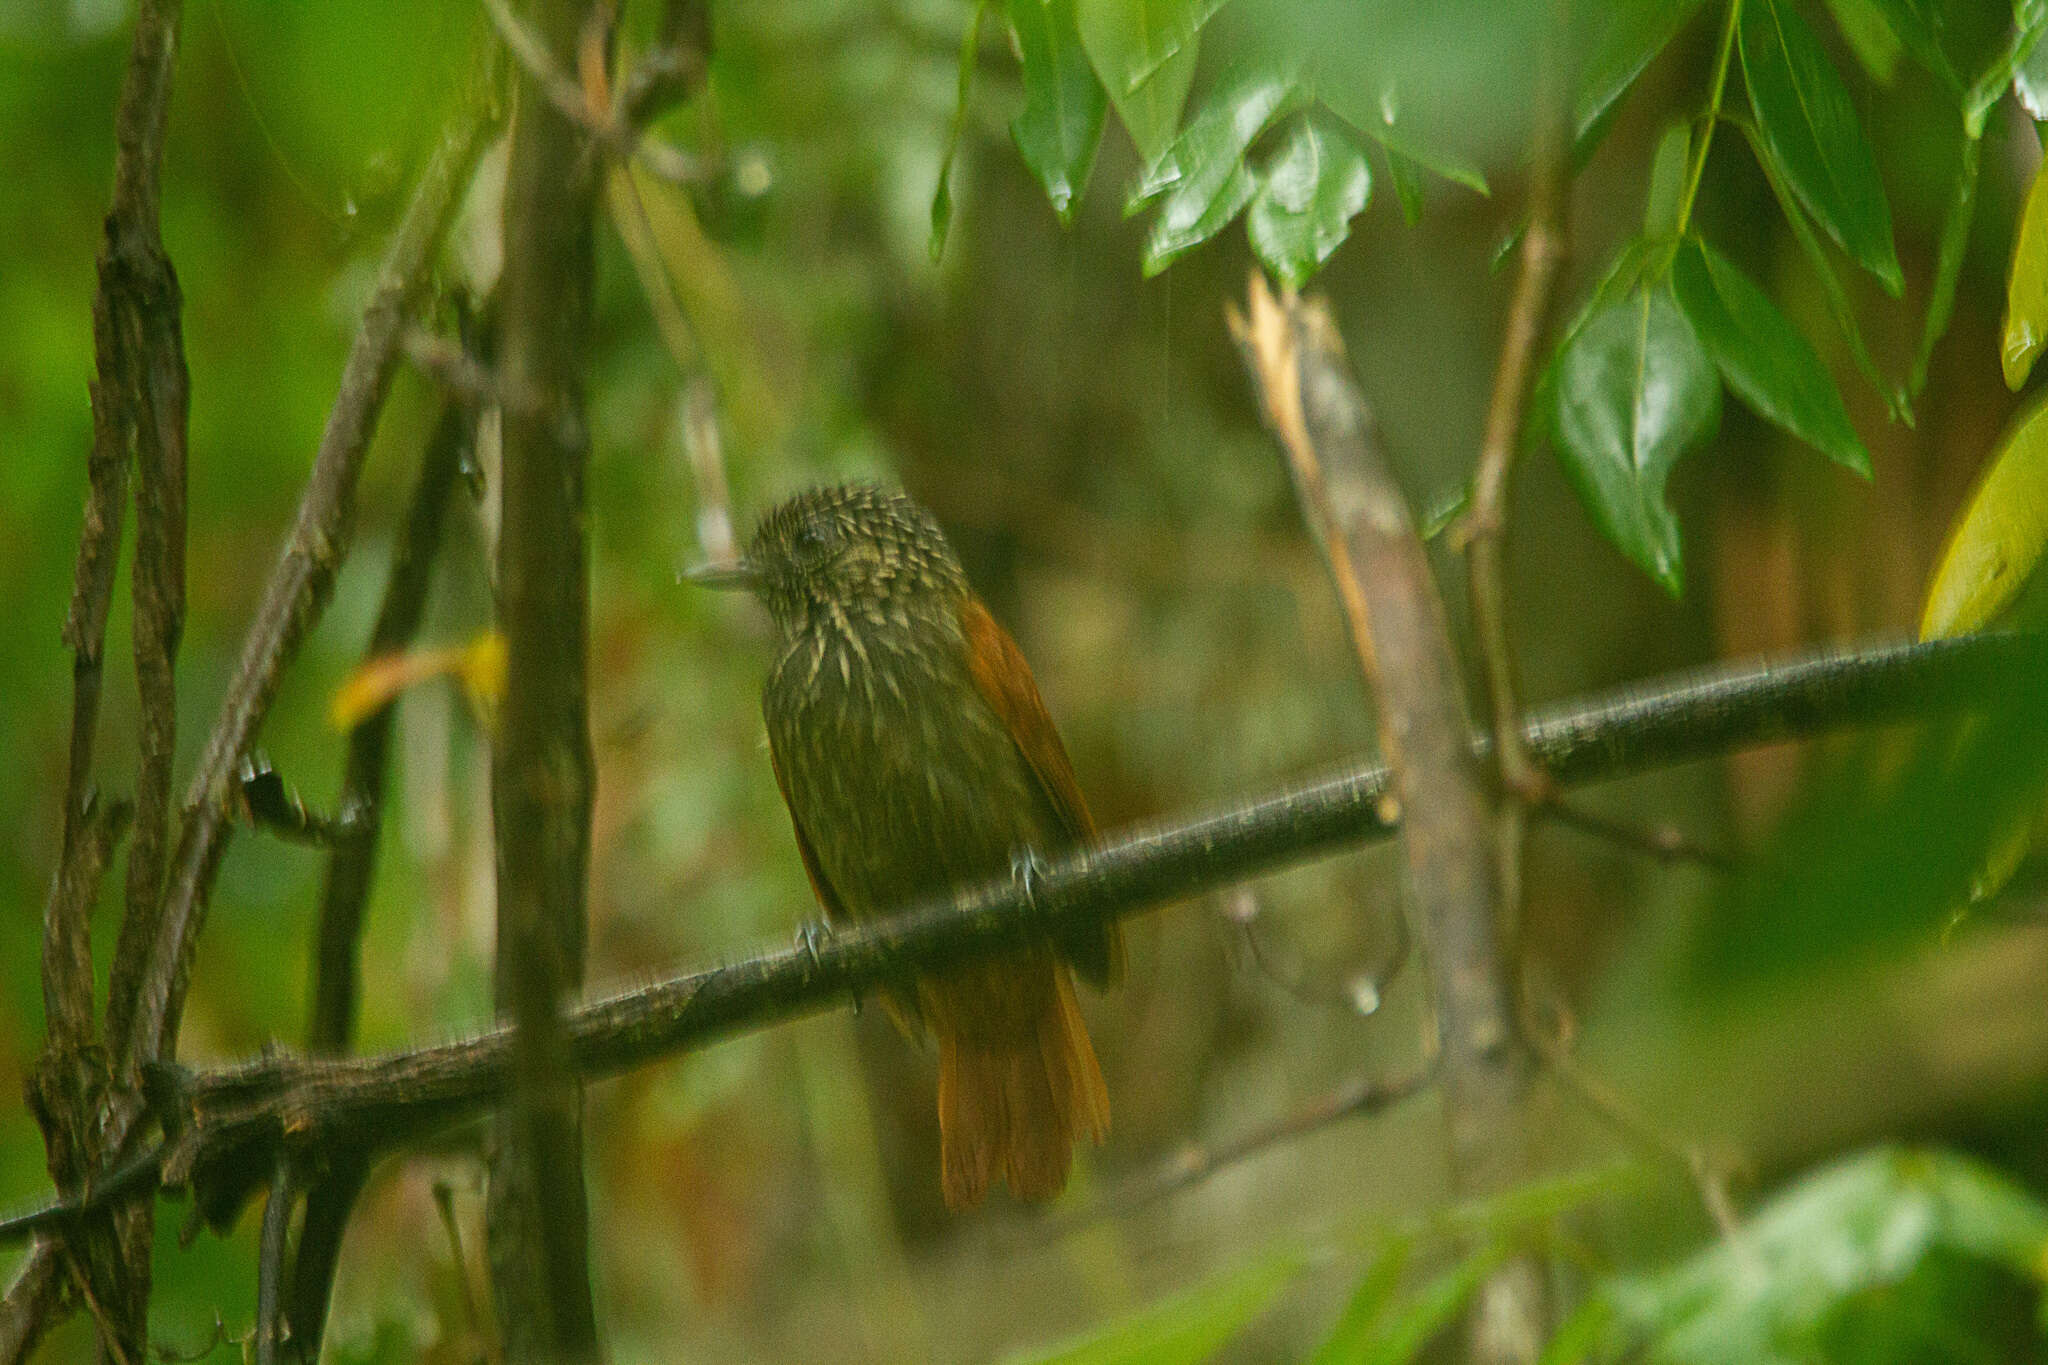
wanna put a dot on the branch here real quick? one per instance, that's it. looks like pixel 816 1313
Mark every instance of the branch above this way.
pixel 1321 419
pixel 1194 1163
pixel 222 1122
pixel 351 868
pixel 541 767
pixel 299 586
pixel 138 408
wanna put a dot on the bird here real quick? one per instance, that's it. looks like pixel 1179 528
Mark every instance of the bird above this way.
pixel 915 755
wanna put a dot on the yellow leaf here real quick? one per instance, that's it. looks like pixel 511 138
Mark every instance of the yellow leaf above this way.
pixel 1996 543
pixel 480 665
pixel 2026 288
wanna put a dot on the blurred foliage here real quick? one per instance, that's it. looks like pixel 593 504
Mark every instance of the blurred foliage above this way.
pixel 981 249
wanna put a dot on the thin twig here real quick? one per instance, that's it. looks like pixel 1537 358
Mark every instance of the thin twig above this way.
pixel 223 1119
pixel 1709 1175
pixel 1484 531
pixel 1665 843
pixel 1196 1162
pixel 272 1252
pixel 1314 406
pixel 352 866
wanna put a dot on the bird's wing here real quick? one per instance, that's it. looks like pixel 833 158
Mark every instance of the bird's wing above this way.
pixel 902 1005
pixel 1004 681
pixel 835 909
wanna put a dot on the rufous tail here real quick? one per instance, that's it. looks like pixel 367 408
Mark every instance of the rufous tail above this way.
pixel 1018 1079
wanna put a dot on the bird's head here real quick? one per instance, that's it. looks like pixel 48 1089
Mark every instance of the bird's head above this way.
pixel 858 548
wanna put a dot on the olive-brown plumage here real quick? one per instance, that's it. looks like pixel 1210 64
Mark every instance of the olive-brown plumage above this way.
pixel 915 754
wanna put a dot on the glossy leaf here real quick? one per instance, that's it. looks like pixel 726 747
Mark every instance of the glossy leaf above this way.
pixel 963 86
pixel 1995 545
pixel 2030 82
pixel 1632 391
pixel 2025 329
pixel 1131 41
pixel 1064 105
pixel 1213 144
pixel 1810 133
pixel 1843 1249
pixel 1187 221
pixel 1762 356
pixel 1202 176
pixel 1186 1329
pixel 1306 200
pixel 1636 31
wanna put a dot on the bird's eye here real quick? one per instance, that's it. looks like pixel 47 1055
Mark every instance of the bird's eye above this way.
pixel 814 540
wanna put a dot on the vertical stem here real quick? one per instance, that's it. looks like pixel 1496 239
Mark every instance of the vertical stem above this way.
pixel 1485 532
pixel 1454 878
pixel 541 762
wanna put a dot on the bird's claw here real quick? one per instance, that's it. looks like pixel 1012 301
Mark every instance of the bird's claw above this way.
pixel 812 935
pixel 1027 871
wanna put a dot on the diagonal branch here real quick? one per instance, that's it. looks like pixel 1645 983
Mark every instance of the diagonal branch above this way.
pixel 299 586
pixel 223 1122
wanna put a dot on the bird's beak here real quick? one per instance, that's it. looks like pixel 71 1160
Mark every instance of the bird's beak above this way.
pixel 733 573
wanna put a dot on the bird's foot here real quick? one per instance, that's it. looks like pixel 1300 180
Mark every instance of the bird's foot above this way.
pixel 1027 873
pixel 812 935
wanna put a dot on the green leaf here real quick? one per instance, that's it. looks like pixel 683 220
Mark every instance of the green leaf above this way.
pixel 1202 175
pixel 1996 543
pixel 1948 263
pixel 1896 399
pixel 1845 1249
pixel 1186 1329
pixel 1869 36
pixel 1396 136
pixel 1131 40
pixel 1307 198
pixel 1810 133
pixel 1636 31
pixel 2030 83
pixel 1359 1322
pixel 1186 222
pixel 1667 179
pixel 1432 1307
pixel 1444 506
pixel 1144 51
pixel 1407 178
pixel 1918 24
pixel 1632 390
pixel 1989 88
pixel 942 196
pixel 1214 142
pixel 1064 105
pixel 1762 356
pixel 2025 329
